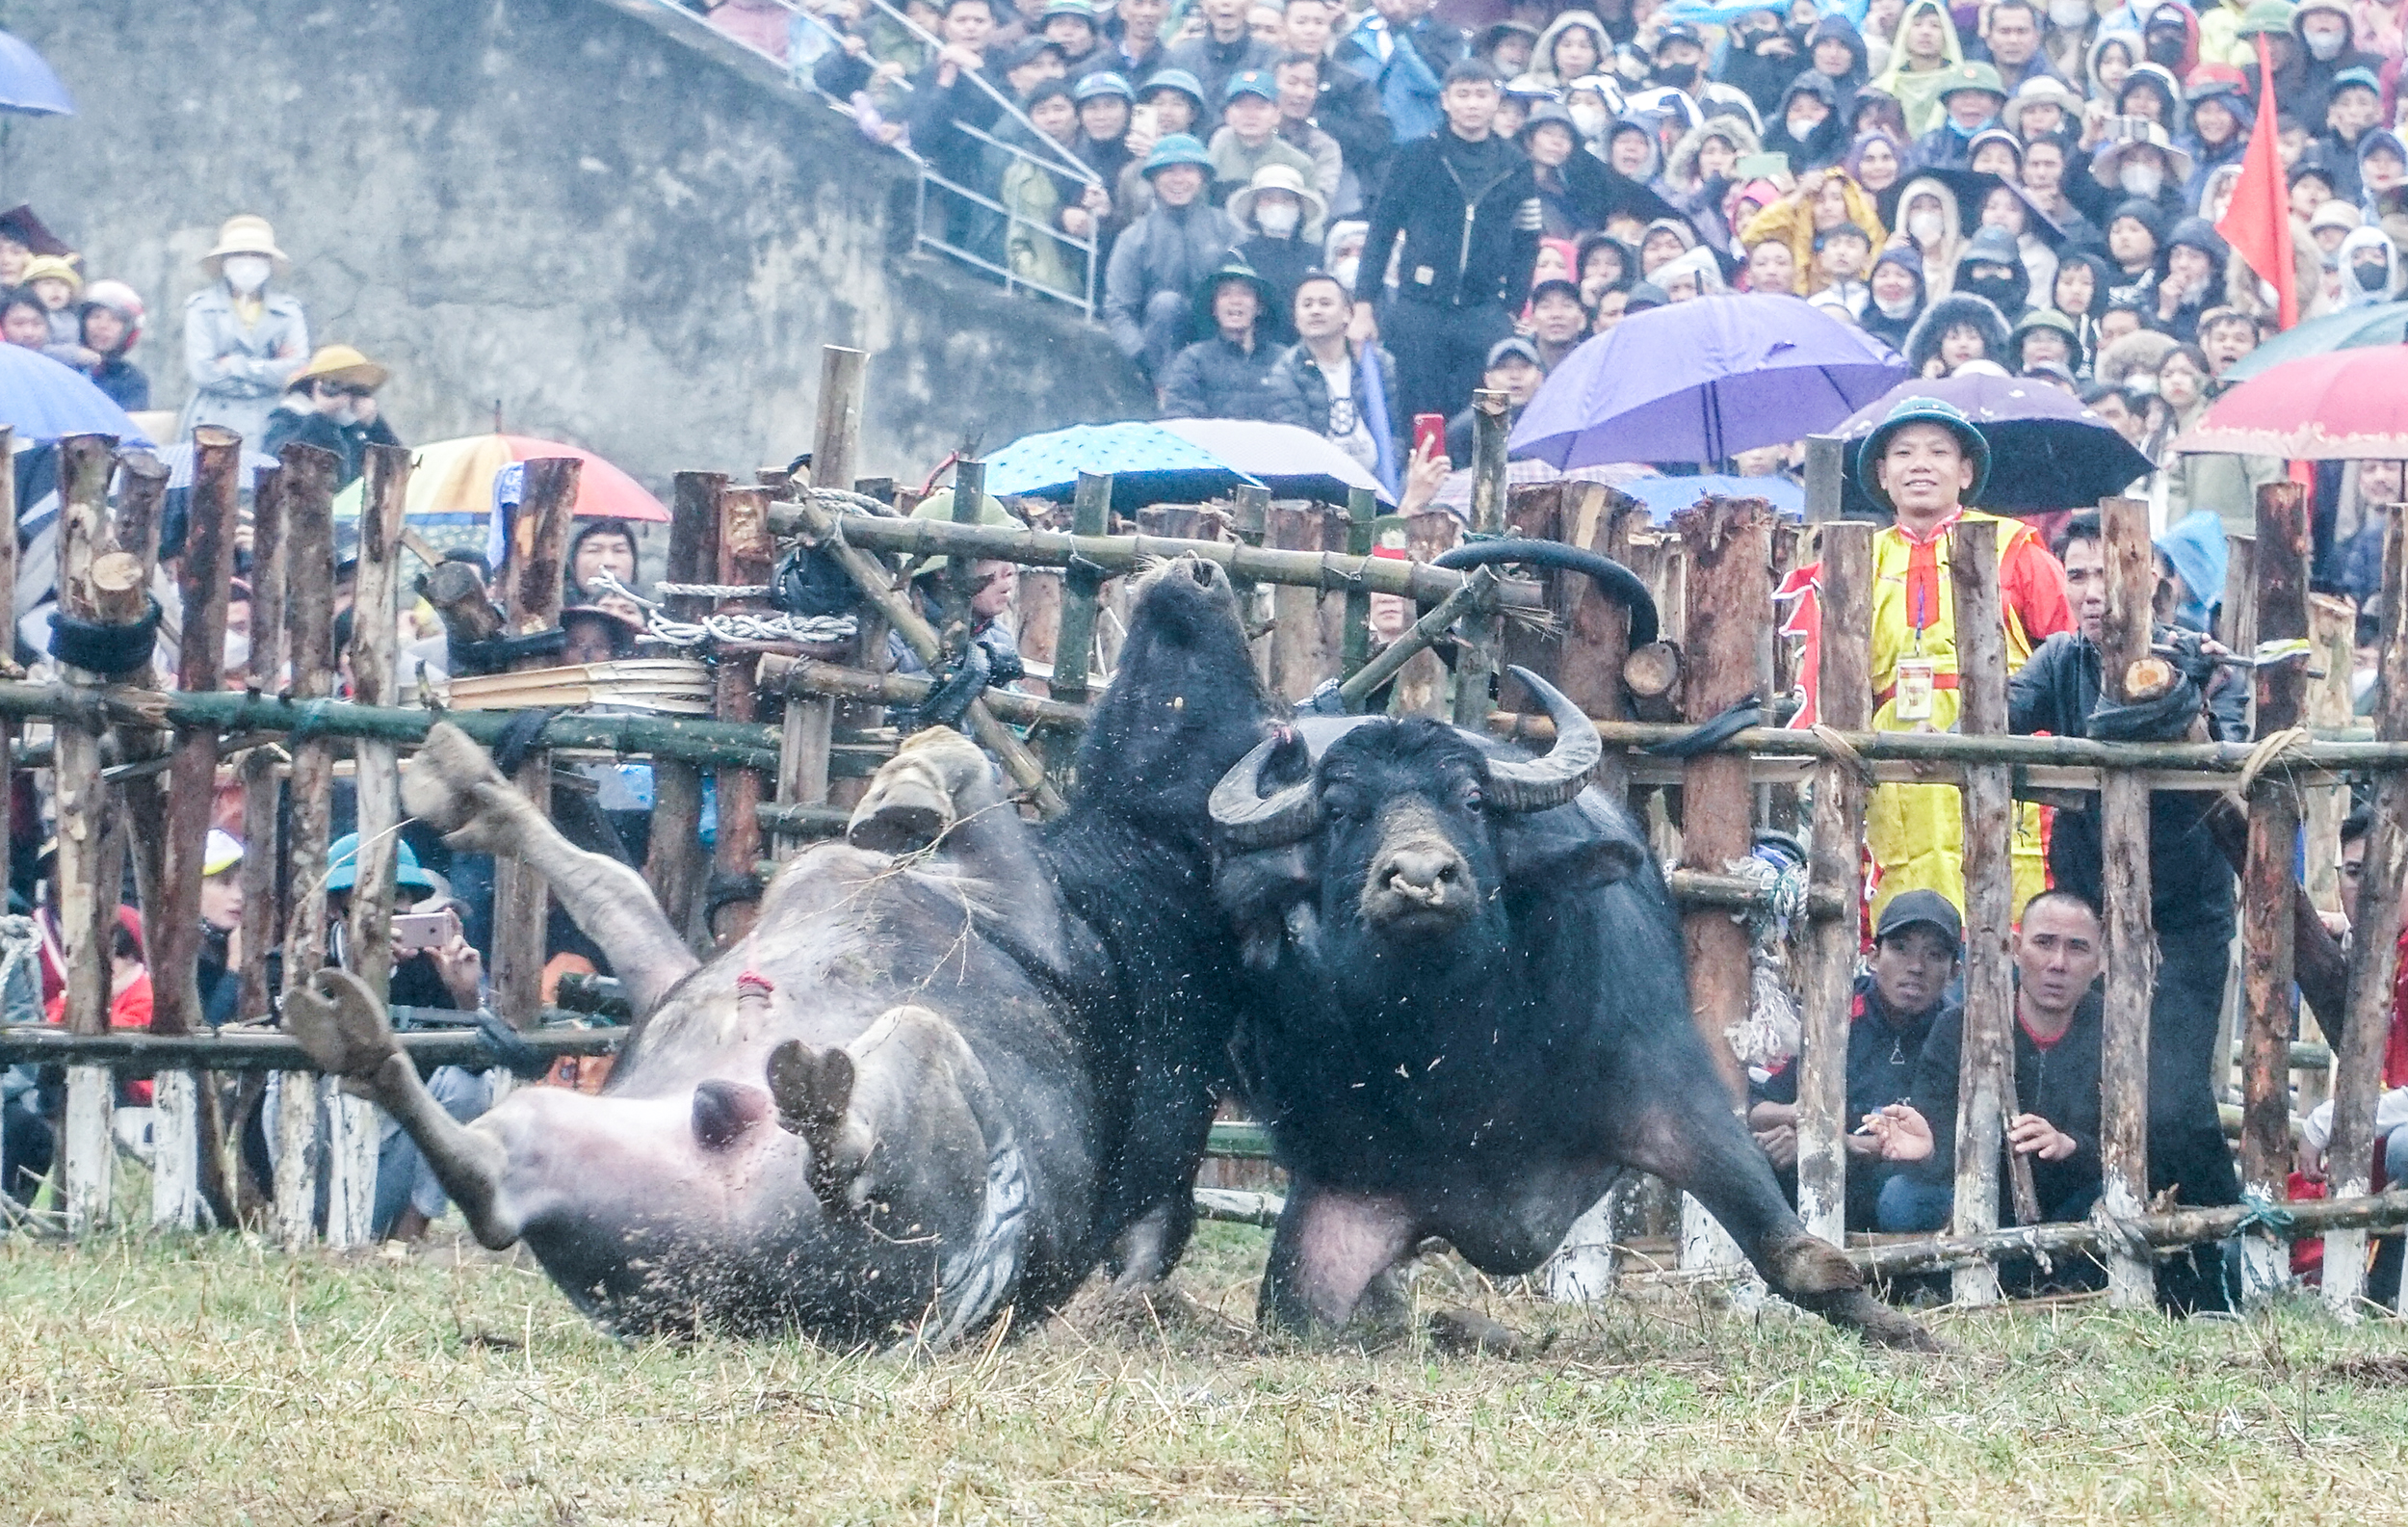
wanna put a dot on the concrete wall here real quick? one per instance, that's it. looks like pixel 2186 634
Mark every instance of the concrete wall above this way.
pixel 626 231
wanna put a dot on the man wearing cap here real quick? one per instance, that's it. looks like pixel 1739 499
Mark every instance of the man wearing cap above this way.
pixel 1969 101
pixel 2192 903
pixel 331 403
pixel 1159 260
pixel 1514 369
pixel 1226 377
pixel 1465 204
pixel 1248 137
pixel 1228 48
pixel 1070 26
pixel 1903 995
pixel 242 341
pixel 1921 462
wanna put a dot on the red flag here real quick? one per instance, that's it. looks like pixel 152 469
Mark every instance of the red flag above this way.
pixel 2256 223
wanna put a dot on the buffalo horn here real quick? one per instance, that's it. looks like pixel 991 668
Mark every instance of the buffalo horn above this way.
pixel 1249 820
pixel 1564 771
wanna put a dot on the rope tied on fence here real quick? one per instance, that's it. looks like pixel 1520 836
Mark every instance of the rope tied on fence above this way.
pixel 2272 1217
pixel 735 625
pixel 97 648
pixel 2271 752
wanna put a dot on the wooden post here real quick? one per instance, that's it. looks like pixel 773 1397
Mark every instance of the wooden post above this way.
pixel 810 720
pixel 262 842
pixel 1476 663
pixel 2132 946
pixel 1844 700
pixel 2374 946
pixel 308 498
pixel 675 863
pixel 1826 456
pixel 531 587
pixel 1356 645
pixel 2333 640
pixel 836 438
pixel 86 904
pixel 376 614
pixel 747 556
pixel 2236 625
pixel 2280 605
pixel 1074 639
pixel 1985 1084
pixel 960 571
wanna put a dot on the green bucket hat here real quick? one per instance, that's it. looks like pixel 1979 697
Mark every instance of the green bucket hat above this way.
pixel 2264 15
pixel 1983 77
pixel 940 506
pixel 1922 411
pixel 1233 269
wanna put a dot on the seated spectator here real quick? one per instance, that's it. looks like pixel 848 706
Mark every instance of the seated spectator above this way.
pixel 2193 282
pixel 1694 275
pixel 1070 26
pixel 1228 376
pixel 1558 321
pixel 1336 388
pixel 1573 189
pixel 1822 201
pixel 1953 330
pixel 1248 138
pixel 596 634
pixel 1280 216
pixel 1665 240
pixel 2224 337
pixel 1170 105
pixel 1604 264
pixel 331 403
pixel 1136 53
pixel 1806 126
pixel 1771 269
pixel 1157 262
pixel 23 321
pixel 219 973
pixel 2042 336
pixel 111 327
pixel 2059 950
pixel 1901 996
pixel 1931 222
pixel 1970 102
pixel 994 595
pixel 1105 104
pixel 1839 259
pixel 1991 268
pixel 1514 369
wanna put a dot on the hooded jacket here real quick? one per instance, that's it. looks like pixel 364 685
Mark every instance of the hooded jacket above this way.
pixel 1701 201
pixel 2138 288
pixel 2208 158
pixel 1823 142
pixel 2308 91
pixel 1699 262
pixel 1645 127
pixel 1764 78
pixel 2158 82
pixel 2184 321
pixel 1918 91
pixel 1543 52
pixel 2086 321
pixel 2355 293
pixel 1993 247
pixel 1792 221
pixel 1940 255
pixel 1923 342
pixel 1893 331
pixel 1840 26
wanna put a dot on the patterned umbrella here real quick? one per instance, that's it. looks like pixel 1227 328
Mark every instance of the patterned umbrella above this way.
pixel 1148 463
pixel 2349 406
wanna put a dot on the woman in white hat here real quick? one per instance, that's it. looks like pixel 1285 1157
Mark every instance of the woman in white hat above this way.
pixel 242 341
pixel 1281 218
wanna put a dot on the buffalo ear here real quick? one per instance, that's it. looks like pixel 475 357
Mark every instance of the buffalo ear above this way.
pixel 1560 861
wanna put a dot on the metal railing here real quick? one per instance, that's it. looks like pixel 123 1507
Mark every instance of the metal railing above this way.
pixel 935 216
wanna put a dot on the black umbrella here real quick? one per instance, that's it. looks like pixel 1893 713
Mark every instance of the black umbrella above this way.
pixel 2048 451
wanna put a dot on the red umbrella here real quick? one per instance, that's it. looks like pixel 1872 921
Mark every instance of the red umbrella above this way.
pixel 2349 406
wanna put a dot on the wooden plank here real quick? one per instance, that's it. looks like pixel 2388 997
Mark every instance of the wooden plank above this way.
pixel 1482 636
pixel 1843 699
pixel 836 434
pixel 674 862
pixel 2373 947
pixel 87 897
pixel 308 496
pixel 1985 1079
pixel 2131 945
pixel 1827 456
pixel 747 556
pixel 2280 605
pixel 1362 509
pixel 531 589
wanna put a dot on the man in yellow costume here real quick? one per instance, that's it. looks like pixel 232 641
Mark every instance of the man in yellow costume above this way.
pixel 1923 462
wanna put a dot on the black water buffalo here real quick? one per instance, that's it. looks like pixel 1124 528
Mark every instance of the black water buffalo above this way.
pixel 935 1081
pixel 1471 1013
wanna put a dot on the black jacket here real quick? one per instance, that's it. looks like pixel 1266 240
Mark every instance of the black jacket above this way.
pixel 1350 111
pixel 2060 1084
pixel 1299 394
pixel 935 108
pixel 1883 1056
pixel 2190 881
pixel 1470 216
pixel 1214 378
pixel 349 443
pixel 1213 63
pixel 1284 263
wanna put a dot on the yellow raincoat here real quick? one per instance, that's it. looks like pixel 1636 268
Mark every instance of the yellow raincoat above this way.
pixel 1916 832
pixel 1792 221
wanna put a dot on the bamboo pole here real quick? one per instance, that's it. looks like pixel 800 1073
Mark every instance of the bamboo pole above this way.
pixel 1465 603
pixel 2181 1228
pixel 1985 1078
pixel 1482 635
pixel 2269 951
pixel 375 614
pixel 264 887
pixel 1843 699
pixel 255 1051
pixel 1074 640
pixel 308 494
pixel 810 720
pixel 783 674
pixel 532 588
pixel 1356 642
pixel 960 580
pixel 85 901
pixel 2373 948
pixel 2131 945
pixel 673 863
pixel 748 557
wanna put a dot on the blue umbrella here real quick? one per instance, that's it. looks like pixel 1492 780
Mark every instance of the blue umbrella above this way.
pixel 1149 464
pixel 26 83
pixel 1666 496
pixel 1703 381
pixel 44 400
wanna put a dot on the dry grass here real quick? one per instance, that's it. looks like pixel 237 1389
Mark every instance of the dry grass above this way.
pixel 214 1381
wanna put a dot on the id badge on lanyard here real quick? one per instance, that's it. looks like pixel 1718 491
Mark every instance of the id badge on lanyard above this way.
pixel 1916 676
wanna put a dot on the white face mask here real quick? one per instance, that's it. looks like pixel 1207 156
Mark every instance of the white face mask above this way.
pixel 1347 270
pixel 2326 46
pixel 1924 225
pixel 2070 12
pixel 1589 119
pixel 246 273
pixel 1278 220
pixel 2140 181
pixel 1802 128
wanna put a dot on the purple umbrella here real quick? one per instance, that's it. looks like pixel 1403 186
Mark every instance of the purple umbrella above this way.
pixel 1703 381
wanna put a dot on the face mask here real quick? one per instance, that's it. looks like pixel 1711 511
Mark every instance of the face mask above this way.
pixel 1680 76
pixel 1347 270
pixel 2165 52
pixel 246 273
pixel 2002 290
pixel 2070 12
pixel 1925 227
pixel 1897 309
pixel 1278 221
pixel 2373 277
pixel 1802 128
pixel 1589 119
pixel 2142 180
pixel 2327 45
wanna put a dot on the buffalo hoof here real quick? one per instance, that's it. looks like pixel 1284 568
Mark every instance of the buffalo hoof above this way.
pixel 1878 1324
pixel 440 783
pixel 909 803
pixel 1469 1333
pixel 812 1090
pixel 339 1022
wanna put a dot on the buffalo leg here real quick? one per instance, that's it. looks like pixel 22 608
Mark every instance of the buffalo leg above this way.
pixel 453 785
pixel 346 1032
pixel 1707 1153
pixel 1327 1250
pixel 891 1120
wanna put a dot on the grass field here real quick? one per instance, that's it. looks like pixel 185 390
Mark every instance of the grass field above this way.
pixel 213 1381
